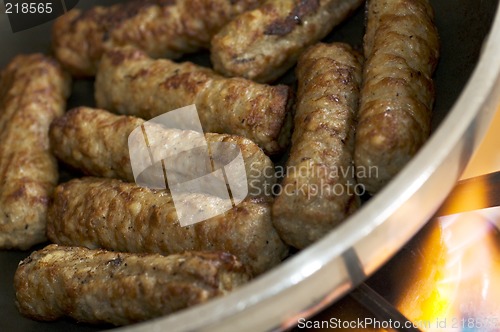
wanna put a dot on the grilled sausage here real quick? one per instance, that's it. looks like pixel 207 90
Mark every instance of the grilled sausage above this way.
pixel 402 49
pixel 131 83
pixel 97 142
pixel 98 286
pixel 264 43
pixel 33 91
pixel 320 176
pixel 162 28
pixel 120 216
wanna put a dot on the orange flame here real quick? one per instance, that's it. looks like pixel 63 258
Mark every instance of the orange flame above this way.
pixel 455 284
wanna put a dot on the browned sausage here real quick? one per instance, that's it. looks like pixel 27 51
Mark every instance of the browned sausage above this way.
pixel 33 91
pixel 97 142
pixel 98 286
pixel 264 43
pixel 402 49
pixel 319 190
pixel 162 28
pixel 114 215
pixel 129 82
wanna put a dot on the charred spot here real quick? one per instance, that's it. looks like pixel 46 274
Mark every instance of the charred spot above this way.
pixel 243 60
pixel 27 260
pixel 283 91
pixel 132 8
pixel 115 262
pixel 62 121
pixel 141 73
pixel 308 118
pixel 118 56
pixel 115 15
pixel 19 193
pixel 227 257
pixel 334 98
pixel 111 17
pixel 295 18
pixel 182 81
pixel 345 75
pixel 174 82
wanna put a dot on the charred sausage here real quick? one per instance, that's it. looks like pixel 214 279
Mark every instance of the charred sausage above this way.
pixel 320 175
pixel 115 215
pixel 98 286
pixel 97 142
pixel 131 83
pixel 263 43
pixel 33 91
pixel 161 28
pixel 402 49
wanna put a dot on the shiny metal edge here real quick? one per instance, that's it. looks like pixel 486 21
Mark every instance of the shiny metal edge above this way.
pixel 317 276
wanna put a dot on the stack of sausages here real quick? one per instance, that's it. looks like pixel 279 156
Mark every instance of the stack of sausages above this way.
pixel 121 244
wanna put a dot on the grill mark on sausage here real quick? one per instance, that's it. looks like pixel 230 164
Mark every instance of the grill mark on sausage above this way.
pixel 127 10
pixel 296 16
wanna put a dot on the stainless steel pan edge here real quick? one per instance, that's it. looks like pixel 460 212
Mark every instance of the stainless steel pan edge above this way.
pixel 325 271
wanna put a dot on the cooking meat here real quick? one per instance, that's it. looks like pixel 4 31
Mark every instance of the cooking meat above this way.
pixel 114 215
pixel 129 82
pixel 402 49
pixel 33 91
pixel 263 43
pixel 319 190
pixel 98 286
pixel 162 28
pixel 97 142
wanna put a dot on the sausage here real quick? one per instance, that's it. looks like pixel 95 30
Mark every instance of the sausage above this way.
pixel 33 91
pixel 262 44
pixel 98 286
pixel 161 28
pixel 402 50
pixel 320 176
pixel 119 216
pixel 129 82
pixel 97 142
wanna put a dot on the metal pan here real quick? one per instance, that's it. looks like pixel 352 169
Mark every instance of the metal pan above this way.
pixel 468 92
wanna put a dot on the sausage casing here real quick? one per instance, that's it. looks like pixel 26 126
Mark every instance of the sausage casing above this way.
pixel 318 191
pixel 114 215
pixel 129 82
pixel 33 91
pixel 263 43
pixel 162 28
pixel 97 142
pixel 98 286
pixel 402 49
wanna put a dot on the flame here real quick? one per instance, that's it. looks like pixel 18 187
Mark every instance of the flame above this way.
pixel 457 287
pixel 456 283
